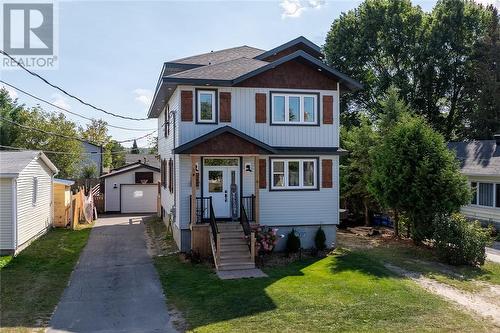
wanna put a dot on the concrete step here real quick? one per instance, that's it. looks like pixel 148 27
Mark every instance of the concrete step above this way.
pixel 232 234
pixel 236 261
pixel 241 256
pixel 229 226
pixel 235 266
pixel 225 248
pixel 233 241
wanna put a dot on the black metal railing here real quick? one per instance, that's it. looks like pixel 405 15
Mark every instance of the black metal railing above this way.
pixel 202 206
pixel 245 223
pixel 248 202
pixel 213 224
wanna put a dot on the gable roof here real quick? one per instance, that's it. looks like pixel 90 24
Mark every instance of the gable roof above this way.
pixel 480 157
pixel 312 48
pixel 128 168
pixel 184 148
pixel 13 162
pixel 231 66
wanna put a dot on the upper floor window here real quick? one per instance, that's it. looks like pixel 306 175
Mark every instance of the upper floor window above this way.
pixel 293 174
pixel 294 108
pixel 206 106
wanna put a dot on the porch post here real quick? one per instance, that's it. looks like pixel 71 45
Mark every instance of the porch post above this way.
pixel 193 189
pixel 256 191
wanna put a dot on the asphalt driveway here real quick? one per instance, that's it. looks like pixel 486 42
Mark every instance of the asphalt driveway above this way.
pixel 114 287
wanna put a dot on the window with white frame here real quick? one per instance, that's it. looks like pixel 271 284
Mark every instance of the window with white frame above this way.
pixel 293 174
pixel 294 109
pixel 206 106
pixel 485 194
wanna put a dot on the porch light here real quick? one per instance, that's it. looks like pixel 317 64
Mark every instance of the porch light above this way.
pixel 248 167
pixel 115 186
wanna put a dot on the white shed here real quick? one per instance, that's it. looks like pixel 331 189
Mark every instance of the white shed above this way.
pixel 26 198
pixel 133 188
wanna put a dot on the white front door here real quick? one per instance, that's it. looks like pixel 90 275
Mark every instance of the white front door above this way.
pixel 217 182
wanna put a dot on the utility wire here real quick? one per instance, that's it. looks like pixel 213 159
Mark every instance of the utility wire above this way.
pixel 68 111
pixel 69 137
pixel 65 92
pixel 65 152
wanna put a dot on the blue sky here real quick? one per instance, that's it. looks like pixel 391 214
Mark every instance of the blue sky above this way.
pixel 111 53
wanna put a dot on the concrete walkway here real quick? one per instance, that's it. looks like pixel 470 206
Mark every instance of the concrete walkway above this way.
pixel 493 252
pixel 115 287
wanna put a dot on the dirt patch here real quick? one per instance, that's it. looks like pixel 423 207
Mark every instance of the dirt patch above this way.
pixel 485 304
pixel 159 243
pixel 363 237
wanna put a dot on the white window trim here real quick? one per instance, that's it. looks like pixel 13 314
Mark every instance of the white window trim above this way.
pixel 301 185
pixel 198 106
pixel 301 110
pixel 477 204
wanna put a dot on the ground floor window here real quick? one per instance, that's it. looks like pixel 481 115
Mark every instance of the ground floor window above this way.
pixel 485 194
pixel 293 174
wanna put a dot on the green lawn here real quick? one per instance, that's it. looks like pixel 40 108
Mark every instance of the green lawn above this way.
pixel 32 282
pixel 421 259
pixel 350 292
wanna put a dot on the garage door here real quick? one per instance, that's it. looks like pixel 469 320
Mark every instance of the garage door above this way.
pixel 139 198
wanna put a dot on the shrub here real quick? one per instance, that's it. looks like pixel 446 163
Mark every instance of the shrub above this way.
pixel 265 239
pixel 292 242
pixel 459 241
pixel 320 239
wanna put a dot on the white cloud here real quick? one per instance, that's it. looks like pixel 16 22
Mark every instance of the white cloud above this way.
pixel 60 101
pixel 12 93
pixel 144 96
pixel 295 8
pixel 495 3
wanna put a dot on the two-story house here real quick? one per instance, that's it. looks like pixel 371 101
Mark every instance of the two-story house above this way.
pixel 249 136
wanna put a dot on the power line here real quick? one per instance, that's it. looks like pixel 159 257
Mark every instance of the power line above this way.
pixel 65 92
pixel 66 152
pixel 69 137
pixel 66 110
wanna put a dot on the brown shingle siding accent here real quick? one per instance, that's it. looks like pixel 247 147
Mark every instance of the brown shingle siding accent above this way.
pixel 186 105
pixel 327 109
pixel 291 75
pixel 225 107
pixel 260 108
pixel 262 173
pixel 326 177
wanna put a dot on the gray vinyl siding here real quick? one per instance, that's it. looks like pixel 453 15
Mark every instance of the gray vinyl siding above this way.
pixel 33 219
pixel 243 119
pixel 185 190
pixel 6 214
pixel 288 208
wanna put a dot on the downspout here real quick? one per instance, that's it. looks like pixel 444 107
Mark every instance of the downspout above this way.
pixel 173 114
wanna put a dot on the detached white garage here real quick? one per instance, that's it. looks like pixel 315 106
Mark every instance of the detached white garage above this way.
pixel 132 188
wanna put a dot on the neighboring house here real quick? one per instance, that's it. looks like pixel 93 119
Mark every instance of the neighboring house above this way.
pixel 149 159
pixel 258 133
pixel 480 162
pixel 132 188
pixel 92 154
pixel 26 204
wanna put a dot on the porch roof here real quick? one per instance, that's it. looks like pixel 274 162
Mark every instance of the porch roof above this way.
pixel 222 141
pixel 227 140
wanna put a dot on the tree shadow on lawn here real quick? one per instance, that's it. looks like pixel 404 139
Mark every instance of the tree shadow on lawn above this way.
pixel 357 261
pixel 204 299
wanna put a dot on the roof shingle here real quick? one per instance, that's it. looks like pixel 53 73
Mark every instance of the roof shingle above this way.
pixel 216 57
pixel 481 157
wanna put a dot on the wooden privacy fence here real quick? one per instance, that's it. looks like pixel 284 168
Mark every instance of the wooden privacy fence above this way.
pixel 98 198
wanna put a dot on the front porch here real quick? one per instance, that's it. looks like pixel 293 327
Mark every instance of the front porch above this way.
pixel 223 205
